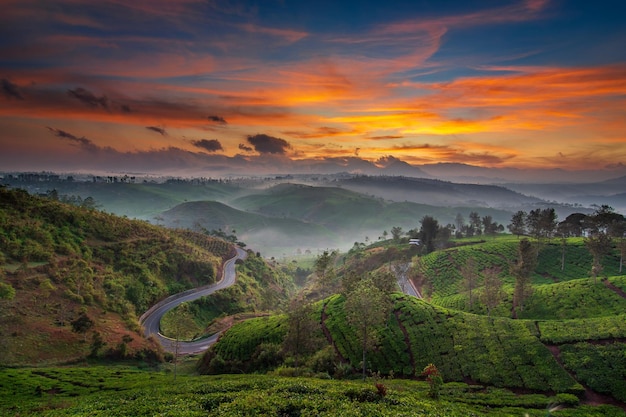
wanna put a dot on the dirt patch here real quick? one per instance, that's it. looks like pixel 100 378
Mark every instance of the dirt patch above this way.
pixel 407 342
pixel 613 288
pixel 590 397
pixel 328 336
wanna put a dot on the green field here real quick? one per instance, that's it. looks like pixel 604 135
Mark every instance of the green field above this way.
pixel 124 391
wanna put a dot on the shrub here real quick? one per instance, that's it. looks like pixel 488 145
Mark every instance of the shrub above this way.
pixel 434 379
pixel 569 400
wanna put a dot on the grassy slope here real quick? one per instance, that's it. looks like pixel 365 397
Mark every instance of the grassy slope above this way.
pixel 105 391
pixel 498 351
pixel 558 294
pixel 111 268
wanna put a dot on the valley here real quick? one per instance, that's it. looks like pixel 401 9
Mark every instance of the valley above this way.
pixel 76 278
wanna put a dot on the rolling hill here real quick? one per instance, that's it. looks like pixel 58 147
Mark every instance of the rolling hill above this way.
pixel 570 337
pixel 280 219
pixel 74 280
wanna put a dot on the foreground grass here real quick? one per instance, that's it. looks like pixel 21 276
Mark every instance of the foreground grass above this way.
pixel 124 391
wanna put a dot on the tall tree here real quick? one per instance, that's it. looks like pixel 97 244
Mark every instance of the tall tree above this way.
pixel 549 222
pixel 621 245
pixel 302 331
pixel 459 222
pixel 366 307
pixel 396 233
pixel 522 270
pixel 533 223
pixel 428 232
pixel 475 222
pixel 492 293
pixel 469 272
pixel 603 225
pixel 599 245
pixel 183 327
pixel 489 226
pixel 324 270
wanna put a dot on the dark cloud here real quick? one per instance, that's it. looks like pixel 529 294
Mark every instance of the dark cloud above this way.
pixel 320 132
pixel 125 108
pixel 245 148
pixel 211 145
pixel 217 119
pixel 89 98
pixel 386 137
pixel 82 142
pixel 10 90
pixel 268 144
pixel 356 151
pixel 157 129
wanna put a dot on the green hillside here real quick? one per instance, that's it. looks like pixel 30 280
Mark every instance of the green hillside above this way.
pixel 570 336
pixel 64 262
pixel 341 208
pixel 560 288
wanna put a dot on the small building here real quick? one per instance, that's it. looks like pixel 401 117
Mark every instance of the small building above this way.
pixel 415 242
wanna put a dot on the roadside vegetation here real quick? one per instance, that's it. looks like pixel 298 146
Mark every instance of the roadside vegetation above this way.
pixel 59 262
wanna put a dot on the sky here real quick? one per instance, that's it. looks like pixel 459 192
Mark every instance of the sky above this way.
pixel 223 86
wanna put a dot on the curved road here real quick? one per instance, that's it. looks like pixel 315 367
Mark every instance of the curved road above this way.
pixel 151 319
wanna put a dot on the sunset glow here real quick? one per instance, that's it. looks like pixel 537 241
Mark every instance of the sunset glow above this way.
pixel 200 86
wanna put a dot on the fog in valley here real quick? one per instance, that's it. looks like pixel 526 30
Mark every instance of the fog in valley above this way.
pixel 287 215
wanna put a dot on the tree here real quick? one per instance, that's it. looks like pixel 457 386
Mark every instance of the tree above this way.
pixel 302 330
pixel 82 324
pixel 541 223
pixel 622 252
pixel 385 281
pixel 428 232
pixel 183 327
pixel 533 223
pixel 97 343
pixel 573 225
pixel 606 220
pixel 459 222
pixel 603 225
pixel 396 233
pixel 518 224
pixel 599 245
pixel 324 270
pixel 492 289
pixel 366 307
pixel 475 222
pixel 349 281
pixel 489 226
pixel 522 270
pixel 470 277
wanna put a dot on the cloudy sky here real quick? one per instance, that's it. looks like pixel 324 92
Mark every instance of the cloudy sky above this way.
pixel 228 86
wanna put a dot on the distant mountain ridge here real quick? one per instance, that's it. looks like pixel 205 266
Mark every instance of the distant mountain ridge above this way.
pixel 437 192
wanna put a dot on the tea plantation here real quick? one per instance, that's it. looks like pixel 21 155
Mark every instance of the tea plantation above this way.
pixel 123 391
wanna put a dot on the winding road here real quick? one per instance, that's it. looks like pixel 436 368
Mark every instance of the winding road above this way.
pixel 151 319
